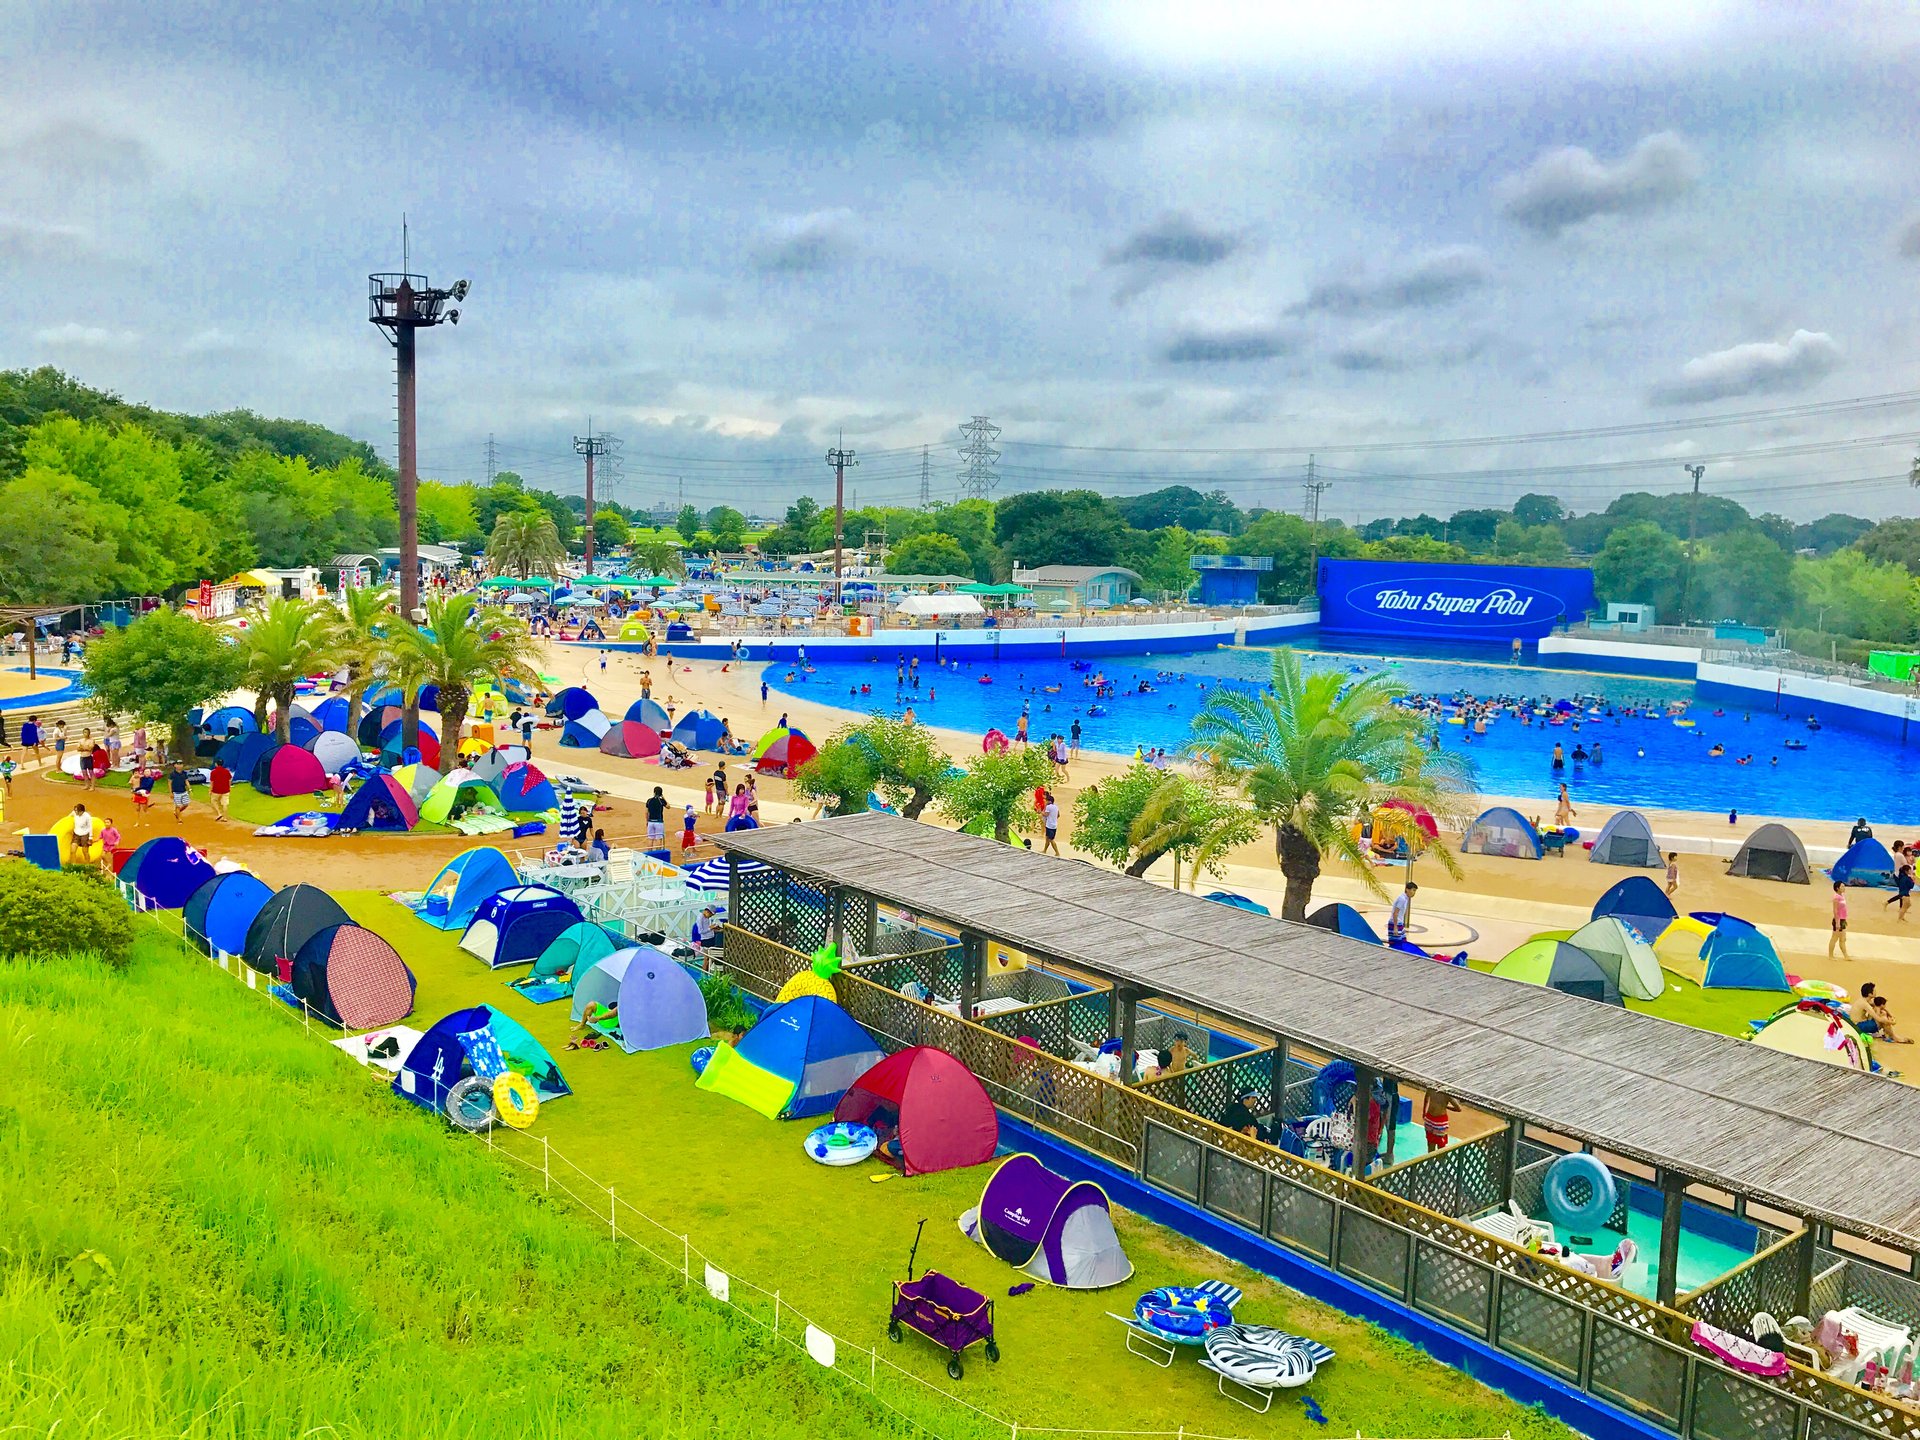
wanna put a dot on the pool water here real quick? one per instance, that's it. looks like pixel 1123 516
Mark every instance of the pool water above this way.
pixel 1647 762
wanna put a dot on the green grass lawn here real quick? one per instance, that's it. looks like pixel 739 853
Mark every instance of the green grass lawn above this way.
pixel 1726 1012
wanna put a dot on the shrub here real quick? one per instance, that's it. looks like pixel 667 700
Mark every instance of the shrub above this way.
pixel 44 916
pixel 725 1009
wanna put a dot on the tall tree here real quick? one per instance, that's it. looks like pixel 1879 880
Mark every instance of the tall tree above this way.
pixel 1896 542
pixel 687 522
pixel 524 544
pixel 930 554
pixel 161 666
pixel 995 794
pixel 911 771
pixel 839 777
pixel 1746 577
pixel 462 645
pixel 1315 757
pixel 367 624
pixel 290 640
pixel 1642 564
pixel 609 529
pixel 1142 814
pixel 1059 527
pixel 657 557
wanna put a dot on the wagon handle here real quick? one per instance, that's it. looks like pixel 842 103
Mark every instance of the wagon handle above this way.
pixel 916 1246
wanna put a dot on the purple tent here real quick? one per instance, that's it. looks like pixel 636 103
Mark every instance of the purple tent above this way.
pixel 1054 1229
pixel 659 1003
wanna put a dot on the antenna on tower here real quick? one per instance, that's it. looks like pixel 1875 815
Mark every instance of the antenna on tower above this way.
pixel 978 457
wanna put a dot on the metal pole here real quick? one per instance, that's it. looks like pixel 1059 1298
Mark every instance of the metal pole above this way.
pixel 407 495
pixel 589 515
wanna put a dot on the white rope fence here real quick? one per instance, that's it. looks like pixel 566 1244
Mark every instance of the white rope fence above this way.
pixel 767 1309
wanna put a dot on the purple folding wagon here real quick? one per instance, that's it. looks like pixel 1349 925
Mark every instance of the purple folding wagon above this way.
pixel 948 1313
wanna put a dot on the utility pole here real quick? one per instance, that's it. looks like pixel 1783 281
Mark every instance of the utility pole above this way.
pixel 589 445
pixel 839 459
pixel 1314 488
pixel 491 467
pixel 926 479
pixel 978 457
pixel 401 303
pixel 1693 518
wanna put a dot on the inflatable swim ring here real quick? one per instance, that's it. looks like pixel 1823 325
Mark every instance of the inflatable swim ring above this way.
pixel 1456 720
pixel 841 1143
pixel 469 1104
pixel 699 1059
pixel 1579 1193
pixel 515 1100
pixel 1262 1357
pixel 1685 724
pixel 1181 1313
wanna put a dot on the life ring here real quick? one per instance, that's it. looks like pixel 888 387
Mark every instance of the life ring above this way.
pixel 841 1143
pixel 515 1100
pixel 1181 1313
pixel 1572 1177
pixel 469 1104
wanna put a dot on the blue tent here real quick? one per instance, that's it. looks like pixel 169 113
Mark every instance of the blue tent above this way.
pixel 1502 831
pixel 650 713
pixel 514 926
pixel 1866 862
pixel 219 914
pixel 330 713
pixel 1739 957
pixel 1238 902
pixel 302 731
pixel 381 803
pixel 1347 921
pixel 384 695
pixel 586 731
pixel 229 718
pixel 798 1061
pixel 165 872
pixel 698 730
pixel 241 754
pixel 1639 902
pixel 465 881
pixel 571 703
pixel 439 1060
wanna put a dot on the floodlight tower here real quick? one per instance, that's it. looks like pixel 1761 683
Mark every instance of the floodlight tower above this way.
pixel 401 303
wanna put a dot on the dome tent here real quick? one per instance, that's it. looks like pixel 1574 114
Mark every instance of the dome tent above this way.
pixel 783 753
pixel 1618 949
pixel 1627 839
pixel 698 730
pixel 1866 862
pixel 1640 903
pixel 381 803
pixel 331 713
pixel 1344 920
pixel 351 977
pixel 1816 1030
pixel 524 789
pixel 286 922
pixel 288 770
pixel 219 913
pixel 929 1110
pixel 439 1059
pixel 571 703
pixel 334 750
pixel 649 712
pixel 465 880
pixel 659 1003
pixel 585 732
pixel 1739 957
pixel 1502 831
pixel 1560 966
pixel 1053 1229
pixel 1773 852
pixel 459 791
pixel 575 950
pixel 796 1061
pixel 242 753
pixel 630 740
pixel 230 720
pixel 165 872
pixel 513 926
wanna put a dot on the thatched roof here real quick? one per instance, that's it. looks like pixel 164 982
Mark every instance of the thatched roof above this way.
pixel 1818 1141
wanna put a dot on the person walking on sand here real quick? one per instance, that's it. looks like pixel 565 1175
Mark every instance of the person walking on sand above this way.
pixel 177 786
pixel 1838 938
pixel 1050 816
pixel 1401 914
pixel 1673 872
pixel 1563 810
pixel 1902 884
pixel 219 786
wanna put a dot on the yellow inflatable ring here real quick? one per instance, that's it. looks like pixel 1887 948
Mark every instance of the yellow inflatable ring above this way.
pixel 515 1099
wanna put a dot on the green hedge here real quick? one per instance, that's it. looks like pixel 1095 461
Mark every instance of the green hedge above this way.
pixel 44 915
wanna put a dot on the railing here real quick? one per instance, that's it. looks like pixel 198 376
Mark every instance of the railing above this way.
pixel 1629 1351
pixel 1767 1281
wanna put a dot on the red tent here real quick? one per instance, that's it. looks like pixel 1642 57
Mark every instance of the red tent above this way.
pixel 931 1103
pixel 630 740
pixel 288 770
pixel 785 756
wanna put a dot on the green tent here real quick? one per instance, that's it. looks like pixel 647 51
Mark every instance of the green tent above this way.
pixel 578 948
pixel 1560 966
pixel 469 793
pixel 1623 955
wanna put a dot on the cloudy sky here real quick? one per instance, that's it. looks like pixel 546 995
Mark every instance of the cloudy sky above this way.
pixel 1193 239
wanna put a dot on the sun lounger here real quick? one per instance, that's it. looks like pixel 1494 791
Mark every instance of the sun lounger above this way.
pixel 1514 1226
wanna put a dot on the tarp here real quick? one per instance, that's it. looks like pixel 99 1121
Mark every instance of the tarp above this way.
pixel 629 740
pixel 462 793
pixel 797 1061
pixel 1502 831
pixel 1815 1030
pixel 1866 862
pixel 1772 852
pixel 946 605
pixel 438 1060
pixel 466 880
pixel 1056 1230
pixel 585 732
pixel 381 803
pixel 575 950
pixel 1627 839
pixel 1562 967
pixel 1739 957
pixel 659 1003
pixel 351 977
pixel 571 703
pixel 288 770
pixel 1641 903
pixel 165 871
pixel 698 730
pixel 930 1105
pixel 1618 949
pixel 523 788
pixel 514 926
pixel 219 913
pixel 1344 920
pixel 334 750
pixel 286 922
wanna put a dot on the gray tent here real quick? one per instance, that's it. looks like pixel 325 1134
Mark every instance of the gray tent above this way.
pixel 1054 1229
pixel 1772 852
pixel 1627 839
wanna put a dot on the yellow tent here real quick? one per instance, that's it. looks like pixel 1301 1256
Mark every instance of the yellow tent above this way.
pixel 1678 948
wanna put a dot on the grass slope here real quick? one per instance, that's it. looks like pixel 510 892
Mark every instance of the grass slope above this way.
pixel 216 1228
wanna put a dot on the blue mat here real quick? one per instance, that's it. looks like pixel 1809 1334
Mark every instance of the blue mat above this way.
pixel 541 992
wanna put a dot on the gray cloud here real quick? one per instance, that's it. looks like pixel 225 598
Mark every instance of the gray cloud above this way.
pixel 1762 368
pixel 1171 244
pixel 22 240
pixel 1565 187
pixel 78 150
pixel 1382 350
pixel 800 244
pixel 1432 278
pixel 1909 240
pixel 1198 345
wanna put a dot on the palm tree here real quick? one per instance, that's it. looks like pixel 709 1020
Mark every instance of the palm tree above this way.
pixel 290 639
pixel 366 623
pixel 461 645
pixel 1316 756
pixel 525 543
pixel 657 557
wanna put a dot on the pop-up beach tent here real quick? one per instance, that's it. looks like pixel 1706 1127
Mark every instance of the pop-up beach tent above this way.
pixel 350 977
pixel 1816 1030
pixel 1627 839
pixel 381 803
pixel 220 912
pixel 782 752
pixel 571 703
pixel 288 770
pixel 1739 957
pixel 442 1057
pixel 165 872
pixel 930 1111
pixel 1866 862
pixel 585 731
pixel 1502 831
pixel 334 750
pixel 659 1003
pixel 463 882
pixel 1772 852
pixel 630 740
pixel 1640 903
pixel 797 1061
pixel 1344 920
pixel 1053 1229
pixel 524 788
pixel 1618 949
pixel 243 752
pixel 649 712
pixel 575 950
pixel 698 730
pixel 456 794
pixel 229 720
pixel 331 713
pixel 1560 966
pixel 514 926
pixel 419 780
pixel 286 922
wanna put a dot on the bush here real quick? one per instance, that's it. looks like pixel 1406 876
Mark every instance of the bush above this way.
pixel 725 1009
pixel 45 916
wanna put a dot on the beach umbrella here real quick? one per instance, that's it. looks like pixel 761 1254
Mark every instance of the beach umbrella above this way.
pixel 521 598
pixel 709 877
pixel 569 811
pixel 584 602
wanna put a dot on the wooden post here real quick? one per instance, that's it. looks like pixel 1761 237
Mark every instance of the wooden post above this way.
pixel 1674 1193
pixel 1516 1132
pixel 1363 1079
pixel 836 931
pixel 1277 1083
pixel 734 916
pixel 1128 1000
pixel 1806 1260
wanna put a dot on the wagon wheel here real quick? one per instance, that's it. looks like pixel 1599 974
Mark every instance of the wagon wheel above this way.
pixel 953 1366
pixel 893 1331
pixel 993 1351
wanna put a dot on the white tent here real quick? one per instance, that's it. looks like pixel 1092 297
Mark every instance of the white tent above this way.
pixel 926 606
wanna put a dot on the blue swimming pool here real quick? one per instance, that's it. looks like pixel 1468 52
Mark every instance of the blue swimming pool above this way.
pixel 1645 762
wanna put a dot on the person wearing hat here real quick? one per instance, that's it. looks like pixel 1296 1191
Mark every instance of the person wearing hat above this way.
pixel 1239 1115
